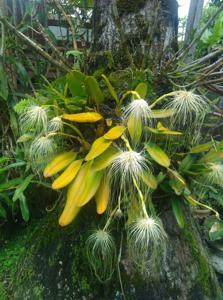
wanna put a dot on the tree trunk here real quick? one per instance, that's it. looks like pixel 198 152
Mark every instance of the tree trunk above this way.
pixel 49 262
pixel 141 33
pixel 144 34
pixel 193 21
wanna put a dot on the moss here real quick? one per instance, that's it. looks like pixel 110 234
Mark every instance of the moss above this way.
pixel 100 61
pixel 44 261
pixel 203 276
pixel 129 6
pixel 9 256
pixel 38 292
pixel 54 257
pixel 97 74
pixel 2 292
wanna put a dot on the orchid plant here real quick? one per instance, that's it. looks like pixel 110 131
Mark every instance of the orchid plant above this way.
pixel 121 160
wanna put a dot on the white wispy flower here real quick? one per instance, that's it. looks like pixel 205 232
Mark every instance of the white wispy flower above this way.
pixel 34 118
pixel 146 230
pixel 42 147
pixel 146 241
pixel 55 124
pixel 128 163
pixel 138 108
pixel 187 106
pixel 101 253
pixel 136 114
pixel 215 174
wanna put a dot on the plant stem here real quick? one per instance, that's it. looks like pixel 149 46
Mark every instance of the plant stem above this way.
pixel 74 128
pixel 110 218
pixel 66 135
pixel 128 93
pixel 140 196
pixel 126 143
pixel 161 98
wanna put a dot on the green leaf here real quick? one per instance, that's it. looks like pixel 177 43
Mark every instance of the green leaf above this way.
pixel 98 147
pixel 3 81
pixel 162 130
pixel 4 159
pixel 149 179
pixel 141 89
pixel 115 132
pixel 135 129
pixel 202 147
pixel 177 211
pixel 94 91
pixel 162 113
pixel 11 184
pixel 24 76
pixel 212 156
pixel 74 53
pixel 175 175
pixel 176 186
pixel 105 159
pixel 158 154
pixel 110 88
pixel 186 163
pixel 24 207
pixel 3 213
pixel 12 166
pixel 21 188
pixel 75 81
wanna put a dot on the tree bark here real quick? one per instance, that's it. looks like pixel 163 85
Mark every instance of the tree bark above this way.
pixel 145 30
pixel 193 21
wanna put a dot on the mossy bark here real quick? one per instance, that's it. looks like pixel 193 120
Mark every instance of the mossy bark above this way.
pixel 44 262
pixel 141 33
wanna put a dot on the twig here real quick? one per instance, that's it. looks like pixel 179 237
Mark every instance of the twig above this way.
pixel 201 60
pixel 35 46
pixel 217 80
pixel 183 51
pixel 215 88
pixel 213 66
pixel 69 21
pixel 52 46
pixel 215 74
pixel 200 33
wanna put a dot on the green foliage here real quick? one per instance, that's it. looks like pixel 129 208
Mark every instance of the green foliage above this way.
pixel 12 188
pixel 110 88
pixel 75 81
pixel 3 81
pixel 95 94
pixel 212 37
pixel 133 148
pixel 178 212
pixel 77 56
pixel 141 89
